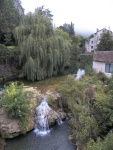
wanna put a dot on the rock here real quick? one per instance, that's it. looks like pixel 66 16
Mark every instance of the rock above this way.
pixel 62 114
pixel 55 102
pixel 70 115
pixel 71 138
pixel 52 118
pixel 9 128
pixel 53 99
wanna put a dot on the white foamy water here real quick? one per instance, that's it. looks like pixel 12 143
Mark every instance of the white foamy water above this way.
pixel 42 118
pixel 80 73
pixel 42 113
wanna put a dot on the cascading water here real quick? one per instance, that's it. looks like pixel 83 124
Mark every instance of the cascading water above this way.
pixel 42 118
pixel 80 73
pixel 42 113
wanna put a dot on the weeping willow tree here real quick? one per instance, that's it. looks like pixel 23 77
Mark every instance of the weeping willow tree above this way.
pixel 43 52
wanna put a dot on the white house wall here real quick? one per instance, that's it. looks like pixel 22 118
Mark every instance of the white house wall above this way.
pixel 100 67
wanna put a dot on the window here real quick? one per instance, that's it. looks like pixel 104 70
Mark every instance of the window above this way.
pixel 91 47
pixel 109 68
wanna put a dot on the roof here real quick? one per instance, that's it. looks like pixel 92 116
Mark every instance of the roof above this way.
pixel 103 56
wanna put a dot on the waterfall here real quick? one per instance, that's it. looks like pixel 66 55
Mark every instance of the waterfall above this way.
pixel 41 118
pixel 80 73
pixel 43 114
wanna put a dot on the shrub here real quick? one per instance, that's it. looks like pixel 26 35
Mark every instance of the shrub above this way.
pixel 102 77
pixel 15 101
pixel 107 144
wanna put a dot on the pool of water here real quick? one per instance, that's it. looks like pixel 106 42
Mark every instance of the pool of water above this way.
pixel 57 139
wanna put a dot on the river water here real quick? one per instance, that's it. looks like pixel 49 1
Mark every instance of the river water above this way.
pixel 57 139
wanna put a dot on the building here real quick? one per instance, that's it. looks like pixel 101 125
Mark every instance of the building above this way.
pixel 91 44
pixel 103 62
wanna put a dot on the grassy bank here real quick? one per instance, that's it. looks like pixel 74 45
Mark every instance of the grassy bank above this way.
pixel 47 84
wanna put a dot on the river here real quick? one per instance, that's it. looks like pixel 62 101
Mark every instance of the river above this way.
pixel 57 139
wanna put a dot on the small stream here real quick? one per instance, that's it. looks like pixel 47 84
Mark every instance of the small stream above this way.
pixel 57 139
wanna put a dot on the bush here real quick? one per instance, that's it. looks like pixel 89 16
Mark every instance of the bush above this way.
pixel 107 144
pixel 15 101
pixel 102 77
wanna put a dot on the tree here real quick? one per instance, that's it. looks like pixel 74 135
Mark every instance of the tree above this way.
pixel 64 35
pixel 9 15
pixel 77 46
pixel 46 12
pixel 106 42
pixel 43 52
pixel 69 28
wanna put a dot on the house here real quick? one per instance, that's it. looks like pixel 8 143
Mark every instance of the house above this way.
pixel 91 44
pixel 103 62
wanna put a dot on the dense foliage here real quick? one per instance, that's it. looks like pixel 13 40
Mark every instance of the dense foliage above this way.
pixel 43 51
pixel 106 42
pixel 107 144
pixel 91 105
pixel 9 55
pixel 15 101
pixel 9 15
pixel 11 12
pixel 77 47
pixel 69 28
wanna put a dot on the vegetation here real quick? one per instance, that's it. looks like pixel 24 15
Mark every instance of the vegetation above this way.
pixel 11 12
pixel 9 15
pixel 107 144
pixel 43 52
pixel 69 28
pixel 32 44
pixel 77 47
pixel 9 55
pixel 88 99
pixel 40 50
pixel 106 42
pixel 15 101
pixel 47 84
